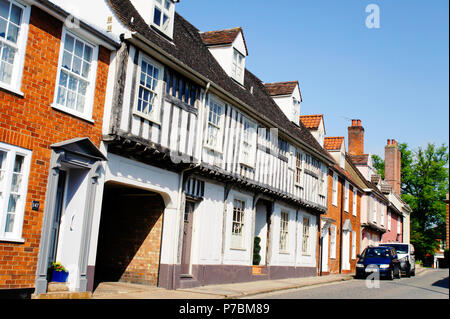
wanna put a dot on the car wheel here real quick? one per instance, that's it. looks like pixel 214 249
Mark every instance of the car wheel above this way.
pixel 390 275
pixel 399 275
pixel 408 271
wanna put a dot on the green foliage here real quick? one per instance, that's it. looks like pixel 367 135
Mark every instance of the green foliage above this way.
pixel 378 164
pixel 256 251
pixel 425 183
pixel 57 266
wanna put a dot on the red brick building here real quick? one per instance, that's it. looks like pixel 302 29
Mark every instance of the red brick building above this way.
pixel 52 95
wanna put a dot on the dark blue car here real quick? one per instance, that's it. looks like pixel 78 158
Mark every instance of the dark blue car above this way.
pixel 381 259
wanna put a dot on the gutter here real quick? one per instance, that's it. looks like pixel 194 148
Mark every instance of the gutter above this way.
pixel 143 43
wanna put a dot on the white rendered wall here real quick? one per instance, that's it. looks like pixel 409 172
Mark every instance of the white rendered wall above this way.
pixel 208 224
pixel 306 260
pixel 94 12
pixel 244 256
pixel 283 258
pixel 286 104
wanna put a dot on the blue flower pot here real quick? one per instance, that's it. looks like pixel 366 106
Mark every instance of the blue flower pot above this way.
pixel 59 276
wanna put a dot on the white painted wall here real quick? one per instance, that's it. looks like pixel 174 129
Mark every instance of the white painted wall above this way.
pixel 286 104
pixel 95 13
pixel 283 258
pixel 307 260
pixel 243 256
pixel 208 224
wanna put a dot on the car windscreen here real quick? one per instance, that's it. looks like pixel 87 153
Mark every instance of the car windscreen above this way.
pixel 401 249
pixel 377 252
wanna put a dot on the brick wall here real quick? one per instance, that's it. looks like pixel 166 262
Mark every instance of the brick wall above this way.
pixel 130 237
pixel 31 123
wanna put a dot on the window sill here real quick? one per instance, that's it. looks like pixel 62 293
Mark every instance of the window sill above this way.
pixel 148 118
pixel 284 253
pixel 11 89
pixel 69 112
pixel 211 148
pixel 239 249
pixel 12 240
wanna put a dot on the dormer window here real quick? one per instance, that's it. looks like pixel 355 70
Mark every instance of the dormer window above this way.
pixel 162 15
pixel 238 66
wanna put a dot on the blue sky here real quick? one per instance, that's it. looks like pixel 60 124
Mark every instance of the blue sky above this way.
pixel 395 78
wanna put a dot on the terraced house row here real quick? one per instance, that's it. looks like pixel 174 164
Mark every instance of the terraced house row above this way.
pixel 135 147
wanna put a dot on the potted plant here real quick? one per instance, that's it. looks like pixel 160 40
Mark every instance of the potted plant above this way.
pixel 59 273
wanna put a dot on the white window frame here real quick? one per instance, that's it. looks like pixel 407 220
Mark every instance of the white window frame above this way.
pixel 333 241
pixel 306 236
pixel 347 196
pixel 238 66
pixel 11 152
pixel 155 115
pixel 353 245
pixel 335 189
pixel 250 139
pixel 355 201
pixel 299 165
pixel 170 13
pixel 323 180
pixel 284 232
pixel 90 92
pixel 17 73
pixel 219 126
pixel 237 240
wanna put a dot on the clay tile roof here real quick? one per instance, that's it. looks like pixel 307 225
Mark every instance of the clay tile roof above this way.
pixel 311 121
pixel 222 37
pixel 281 88
pixel 333 143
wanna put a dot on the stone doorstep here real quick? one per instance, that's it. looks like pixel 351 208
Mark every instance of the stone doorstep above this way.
pixel 58 290
pixel 63 295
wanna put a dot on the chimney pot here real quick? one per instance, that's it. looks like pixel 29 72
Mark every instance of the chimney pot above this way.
pixel 388 142
pixel 359 123
pixel 353 122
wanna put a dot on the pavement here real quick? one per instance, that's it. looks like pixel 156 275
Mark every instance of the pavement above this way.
pixel 120 290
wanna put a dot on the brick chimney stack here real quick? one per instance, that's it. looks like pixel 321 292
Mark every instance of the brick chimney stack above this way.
pixel 393 165
pixel 356 138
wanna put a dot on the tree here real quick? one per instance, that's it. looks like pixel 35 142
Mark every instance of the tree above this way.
pixel 424 187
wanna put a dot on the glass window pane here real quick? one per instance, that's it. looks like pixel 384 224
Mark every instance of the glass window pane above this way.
pixel 71 99
pixel 18 164
pixel 61 96
pixel 63 79
pixel 4 9
pixel 79 48
pixel 2 28
pixel 82 89
pixel 80 103
pixel 67 61
pixel 9 54
pixel 69 43
pixel 16 14
pixel 88 53
pixel 73 83
pixel 9 228
pixel 86 69
pixel 167 4
pixel 16 182
pixel 12 204
pixel 157 17
pixel 76 67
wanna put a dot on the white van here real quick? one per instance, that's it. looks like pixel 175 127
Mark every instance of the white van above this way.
pixel 406 256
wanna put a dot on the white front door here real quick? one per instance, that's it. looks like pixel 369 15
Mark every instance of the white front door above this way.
pixel 346 250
